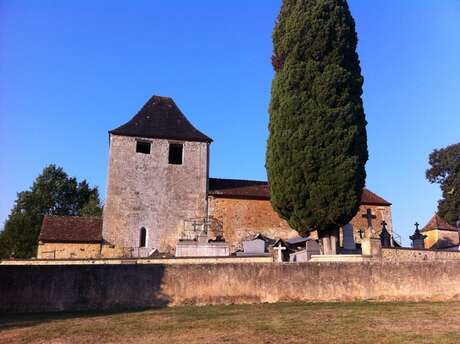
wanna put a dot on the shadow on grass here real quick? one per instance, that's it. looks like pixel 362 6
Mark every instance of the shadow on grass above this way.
pixel 18 320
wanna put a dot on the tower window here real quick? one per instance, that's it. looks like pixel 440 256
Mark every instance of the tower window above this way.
pixel 143 237
pixel 143 147
pixel 175 153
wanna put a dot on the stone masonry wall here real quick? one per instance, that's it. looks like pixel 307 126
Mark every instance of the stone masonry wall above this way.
pixel 144 190
pixel 381 213
pixel 411 255
pixel 68 250
pixel 440 238
pixel 244 218
pixel 99 287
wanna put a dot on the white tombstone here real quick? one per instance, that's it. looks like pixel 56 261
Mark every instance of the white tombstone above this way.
pixel 348 237
pixel 280 250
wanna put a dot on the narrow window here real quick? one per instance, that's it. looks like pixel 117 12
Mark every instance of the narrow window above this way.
pixel 143 237
pixel 175 153
pixel 143 147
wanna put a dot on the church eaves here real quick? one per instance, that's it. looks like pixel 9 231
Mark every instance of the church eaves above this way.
pixel 252 189
pixel 160 118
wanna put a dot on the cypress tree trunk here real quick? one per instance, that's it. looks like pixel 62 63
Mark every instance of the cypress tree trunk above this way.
pixel 329 241
pixel 317 146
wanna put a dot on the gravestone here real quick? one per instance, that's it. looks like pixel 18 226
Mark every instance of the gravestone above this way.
pixel 418 239
pixel 371 246
pixel 385 236
pixel 348 237
pixel 254 247
pixel 311 248
pixel 279 249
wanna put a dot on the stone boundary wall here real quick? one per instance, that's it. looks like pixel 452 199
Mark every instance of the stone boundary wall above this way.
pixel 164 261
pixel 108 287
pixel 411 255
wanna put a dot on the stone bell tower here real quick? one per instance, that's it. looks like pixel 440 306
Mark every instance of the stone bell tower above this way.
pixel 157 178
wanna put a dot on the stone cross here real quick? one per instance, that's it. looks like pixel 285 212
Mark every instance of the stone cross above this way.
pixel 280 250
pixel 416 226
pixel 369 216
pixel 195 225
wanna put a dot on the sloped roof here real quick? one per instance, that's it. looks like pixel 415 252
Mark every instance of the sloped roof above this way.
pixel 238 188
pixel 71 229
pixel 252 189
pixel 437 222
pixel 160 118
pixel 371 198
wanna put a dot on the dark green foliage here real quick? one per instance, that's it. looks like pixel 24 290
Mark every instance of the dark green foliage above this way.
pixel 53 193
pixel 445 170
pixel 317 148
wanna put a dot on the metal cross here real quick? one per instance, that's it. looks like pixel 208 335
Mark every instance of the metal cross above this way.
pixel 369 216
pixel 384 224
pixel 416 226
pixel 361 232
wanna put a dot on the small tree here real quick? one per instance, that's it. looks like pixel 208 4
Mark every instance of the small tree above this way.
pixel 317 147
pixel 445 170
pixel 53 193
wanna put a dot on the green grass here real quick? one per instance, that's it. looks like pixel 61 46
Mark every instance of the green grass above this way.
pixel 265 323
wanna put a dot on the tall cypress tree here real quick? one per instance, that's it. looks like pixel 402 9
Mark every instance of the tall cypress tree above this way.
pixel 317 147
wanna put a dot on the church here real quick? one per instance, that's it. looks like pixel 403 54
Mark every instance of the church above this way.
pixel 159 194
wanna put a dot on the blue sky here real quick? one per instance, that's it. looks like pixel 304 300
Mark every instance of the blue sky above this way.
pixel 72 70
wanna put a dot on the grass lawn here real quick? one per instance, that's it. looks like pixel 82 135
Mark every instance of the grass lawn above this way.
pixel 266 323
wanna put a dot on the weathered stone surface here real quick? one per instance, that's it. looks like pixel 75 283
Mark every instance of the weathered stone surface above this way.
pixel 382 213
pixel 68 250
pixel 411 255
pixel 197 249
pixel 144 190
pixel 441 238
pixel 242 219
pixel 59 288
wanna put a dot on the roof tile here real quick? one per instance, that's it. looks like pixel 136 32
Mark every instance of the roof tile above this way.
pixel 437 222
pixel 252 189
pixel 71 229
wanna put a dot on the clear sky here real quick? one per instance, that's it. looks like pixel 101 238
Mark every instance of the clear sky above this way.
pixel 72 70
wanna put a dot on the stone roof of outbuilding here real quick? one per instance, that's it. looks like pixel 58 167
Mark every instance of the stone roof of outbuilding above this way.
pixel 252 189
pixel 71 229
pixel 438 223
pixel 160 118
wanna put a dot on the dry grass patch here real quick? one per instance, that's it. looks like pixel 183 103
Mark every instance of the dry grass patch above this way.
pixel 266 323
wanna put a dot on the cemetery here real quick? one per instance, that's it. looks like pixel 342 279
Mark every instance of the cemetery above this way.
pixel 300 231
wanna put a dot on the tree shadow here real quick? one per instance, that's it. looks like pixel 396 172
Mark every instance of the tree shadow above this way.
pixel 57 291
pixel 19 320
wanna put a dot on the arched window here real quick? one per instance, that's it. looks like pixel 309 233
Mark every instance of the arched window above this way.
pixel 143 237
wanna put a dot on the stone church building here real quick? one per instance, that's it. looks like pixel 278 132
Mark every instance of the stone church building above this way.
pixel 159 192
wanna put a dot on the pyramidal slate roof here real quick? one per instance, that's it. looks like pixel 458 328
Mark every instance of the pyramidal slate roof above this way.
pixel 160 118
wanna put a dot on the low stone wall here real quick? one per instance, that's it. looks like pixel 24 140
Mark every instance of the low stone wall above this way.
pixel 104 287
pixel 149 261
pixel 411 255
